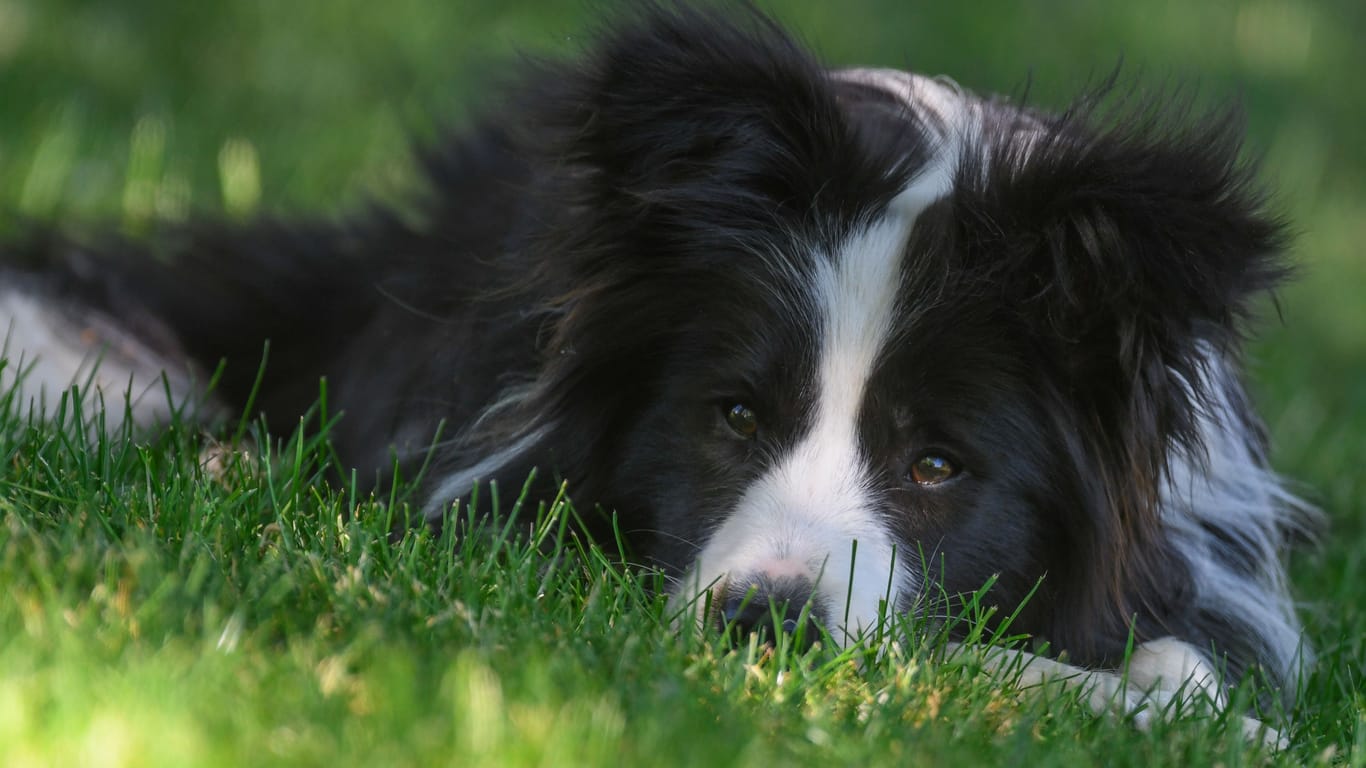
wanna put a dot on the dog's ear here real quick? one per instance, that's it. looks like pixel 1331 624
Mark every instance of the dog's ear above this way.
pixel 1136 248
pixel 674 106
pixel 1133 253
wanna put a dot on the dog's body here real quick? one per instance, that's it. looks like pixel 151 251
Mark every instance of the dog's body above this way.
pixel 856 338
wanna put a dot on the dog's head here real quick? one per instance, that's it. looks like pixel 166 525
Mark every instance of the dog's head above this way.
pixel 859 337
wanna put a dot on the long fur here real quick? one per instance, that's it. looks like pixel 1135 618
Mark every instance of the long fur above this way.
pixel 883 269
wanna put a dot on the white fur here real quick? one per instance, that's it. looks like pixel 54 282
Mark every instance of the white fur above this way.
pixel 1165 678
pixel 48 351
pixel 955 117
pixel 459 483
pixel 814 513
pixel 1229 488
pixel 940 104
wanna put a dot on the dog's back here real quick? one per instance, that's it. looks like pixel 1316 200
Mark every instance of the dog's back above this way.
pixel 395 312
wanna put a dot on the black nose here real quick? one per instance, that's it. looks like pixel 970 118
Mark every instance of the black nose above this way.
pixel 765 607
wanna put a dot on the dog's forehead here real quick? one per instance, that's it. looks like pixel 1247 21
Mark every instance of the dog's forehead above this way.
pixel 922 129
pixel 918 120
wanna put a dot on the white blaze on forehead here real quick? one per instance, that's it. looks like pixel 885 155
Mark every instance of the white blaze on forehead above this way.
pixel 939 102
pixel 954 117
pixel 816 510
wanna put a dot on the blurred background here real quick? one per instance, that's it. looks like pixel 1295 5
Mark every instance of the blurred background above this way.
pixel 133 111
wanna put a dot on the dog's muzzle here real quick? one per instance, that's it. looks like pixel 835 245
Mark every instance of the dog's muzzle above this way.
pixel 758 604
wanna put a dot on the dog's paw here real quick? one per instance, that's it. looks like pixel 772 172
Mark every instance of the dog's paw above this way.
pixel 1166 679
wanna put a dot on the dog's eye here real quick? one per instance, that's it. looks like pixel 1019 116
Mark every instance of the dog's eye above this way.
pixel 932 470
pixel 742 420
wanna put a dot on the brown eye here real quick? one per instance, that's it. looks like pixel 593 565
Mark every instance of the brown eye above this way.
pixel 932 470
pixel 742 420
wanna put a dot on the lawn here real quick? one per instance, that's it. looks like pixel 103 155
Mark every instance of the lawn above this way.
pixel 161 609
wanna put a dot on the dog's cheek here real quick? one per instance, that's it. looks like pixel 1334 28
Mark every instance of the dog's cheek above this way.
pixel 673 485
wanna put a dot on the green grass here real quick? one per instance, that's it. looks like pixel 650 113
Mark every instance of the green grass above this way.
pixel 166 613
pixel 160 611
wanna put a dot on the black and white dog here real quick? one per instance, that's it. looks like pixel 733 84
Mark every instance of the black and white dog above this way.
pixel 851 340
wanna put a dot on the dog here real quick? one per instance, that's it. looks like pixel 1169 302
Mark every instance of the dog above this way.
pixel 829 346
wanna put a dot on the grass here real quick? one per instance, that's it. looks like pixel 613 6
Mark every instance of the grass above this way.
pixel 160 610
pixel 165 612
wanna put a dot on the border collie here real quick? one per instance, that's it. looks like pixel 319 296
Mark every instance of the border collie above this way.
pixel 845 341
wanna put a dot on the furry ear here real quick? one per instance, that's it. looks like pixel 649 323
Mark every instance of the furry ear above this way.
pixel 1138 247
pixel 675 107
pixel 1132 252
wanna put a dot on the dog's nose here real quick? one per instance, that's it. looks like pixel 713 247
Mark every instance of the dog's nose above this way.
pixel 766 606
